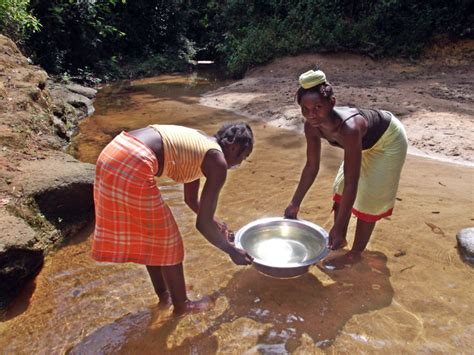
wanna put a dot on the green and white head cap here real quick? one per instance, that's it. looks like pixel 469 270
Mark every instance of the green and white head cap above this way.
pixel 312 78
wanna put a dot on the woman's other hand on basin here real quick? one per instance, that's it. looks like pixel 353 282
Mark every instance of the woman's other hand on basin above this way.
pixel 291 211
pixel 240 257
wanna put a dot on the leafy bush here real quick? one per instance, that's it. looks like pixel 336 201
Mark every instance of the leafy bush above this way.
pixel 16 21
pixel 256 45
pixel 261 30
pixel 101 36
pixel 74 35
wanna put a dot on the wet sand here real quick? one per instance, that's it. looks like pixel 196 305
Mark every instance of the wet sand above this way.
pixel 420 301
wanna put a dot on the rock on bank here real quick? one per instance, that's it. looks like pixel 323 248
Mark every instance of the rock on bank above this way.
pixel 45 194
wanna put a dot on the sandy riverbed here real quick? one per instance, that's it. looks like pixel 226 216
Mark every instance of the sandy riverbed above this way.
pixel 433 97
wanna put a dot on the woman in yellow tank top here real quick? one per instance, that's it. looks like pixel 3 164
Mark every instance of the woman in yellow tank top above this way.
pixel 134 224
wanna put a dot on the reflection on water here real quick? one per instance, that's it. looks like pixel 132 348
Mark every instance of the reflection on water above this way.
pixel 281 251
pixel 410 294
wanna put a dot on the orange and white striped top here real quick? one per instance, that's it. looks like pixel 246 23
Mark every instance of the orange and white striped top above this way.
pixel 184 150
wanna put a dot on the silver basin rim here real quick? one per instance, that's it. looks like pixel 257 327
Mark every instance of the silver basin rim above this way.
pixel 315 259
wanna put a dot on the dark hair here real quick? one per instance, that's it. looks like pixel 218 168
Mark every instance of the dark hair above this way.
pixel 238 132
pixel 324 89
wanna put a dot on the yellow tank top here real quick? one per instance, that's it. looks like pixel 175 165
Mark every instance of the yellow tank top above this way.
pixel 184 150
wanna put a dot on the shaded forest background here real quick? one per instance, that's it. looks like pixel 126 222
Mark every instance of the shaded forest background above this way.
pixel 123 38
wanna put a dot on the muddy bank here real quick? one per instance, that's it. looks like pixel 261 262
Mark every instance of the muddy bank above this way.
pixel 432 97
pixel 45 194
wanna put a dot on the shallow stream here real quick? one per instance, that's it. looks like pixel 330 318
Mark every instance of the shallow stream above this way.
pixel 410 294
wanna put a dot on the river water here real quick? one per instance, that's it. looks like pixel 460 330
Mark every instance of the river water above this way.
pixel 410 294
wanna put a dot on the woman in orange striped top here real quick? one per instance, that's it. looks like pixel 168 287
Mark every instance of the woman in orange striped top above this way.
pixel 134 224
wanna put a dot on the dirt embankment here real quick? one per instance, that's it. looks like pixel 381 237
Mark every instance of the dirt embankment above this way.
pixel 433 97
pixel 45 194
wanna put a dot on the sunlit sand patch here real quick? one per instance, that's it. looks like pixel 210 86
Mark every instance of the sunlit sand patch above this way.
pixel 241 334
pixel 396 326
pixel 191 325
pixel 322 277
pixel 238 100
pixel 111 337
pixel 160 317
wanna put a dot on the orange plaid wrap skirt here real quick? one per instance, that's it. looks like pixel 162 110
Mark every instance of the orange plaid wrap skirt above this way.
pixel 132 222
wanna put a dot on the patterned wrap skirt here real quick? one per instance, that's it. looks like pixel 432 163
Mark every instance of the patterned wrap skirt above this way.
pixel 379 175
pixel 132 222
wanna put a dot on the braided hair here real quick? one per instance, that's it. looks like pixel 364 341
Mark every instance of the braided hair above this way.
pixel 324 89
pixel 237 132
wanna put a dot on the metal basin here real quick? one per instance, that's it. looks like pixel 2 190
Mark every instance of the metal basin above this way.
pixel 283 248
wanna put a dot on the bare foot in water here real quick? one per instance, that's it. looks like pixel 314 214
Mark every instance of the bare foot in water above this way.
pixel 165 300
pixel 340 262
pixel 343 244
pixel 188 306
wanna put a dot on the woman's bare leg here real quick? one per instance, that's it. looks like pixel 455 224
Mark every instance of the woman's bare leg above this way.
pixel 174 278
pixel 362 235
pixel 335 207
pixel 159 284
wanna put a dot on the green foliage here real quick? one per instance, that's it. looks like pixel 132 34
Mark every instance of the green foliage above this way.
pixel 242 49
pixel 16 21
pixel 261 30
pixel 75 34
pixel 100 37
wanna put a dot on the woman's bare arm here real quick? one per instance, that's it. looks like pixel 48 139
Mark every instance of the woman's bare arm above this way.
pixel 191 192
pixel 311 168
pixel 214 168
